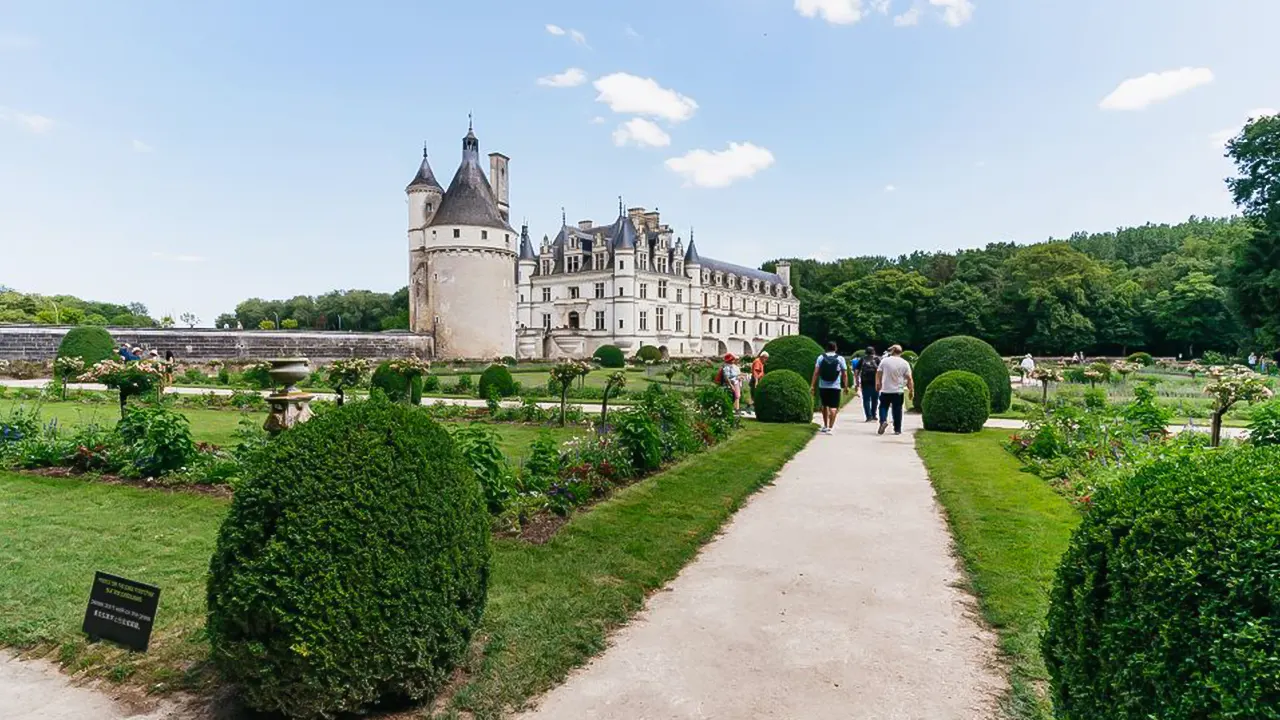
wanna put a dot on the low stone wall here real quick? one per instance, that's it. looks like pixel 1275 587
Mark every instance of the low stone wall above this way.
pixel 40 342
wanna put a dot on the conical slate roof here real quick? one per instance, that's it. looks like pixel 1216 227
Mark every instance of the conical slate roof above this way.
pixel 469 199
pixel 691 255
pixel 425 177
pixel 624 234
pixel 526 245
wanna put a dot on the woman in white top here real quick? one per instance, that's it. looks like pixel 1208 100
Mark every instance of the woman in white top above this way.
pixel 731 378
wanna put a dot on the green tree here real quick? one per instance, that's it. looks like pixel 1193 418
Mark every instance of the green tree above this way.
pixel 1255 285
pixel 1049 287
pixel 884 307
pixel 1194 312
pixel 957 309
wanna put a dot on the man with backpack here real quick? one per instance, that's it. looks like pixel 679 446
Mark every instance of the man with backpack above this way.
pixel 866 382
pixel 830 380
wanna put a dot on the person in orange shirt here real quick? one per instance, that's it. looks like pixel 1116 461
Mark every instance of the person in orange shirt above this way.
pixel 757 372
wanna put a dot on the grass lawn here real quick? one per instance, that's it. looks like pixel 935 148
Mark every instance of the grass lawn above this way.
pixel 1010 529
pixel 550 606
pixel 218 426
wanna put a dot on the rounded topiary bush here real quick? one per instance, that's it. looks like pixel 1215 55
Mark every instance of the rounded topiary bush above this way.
pixel 497 377
pixel 611 356
pixel 783 396
pixel 397 386
pixel 956 401
pixel 1166 603
pixel 910 356
pixel 961 352
pixel 352 566
pixel 797 353
pixel 89 343
pixel 649 353
pixel 1142 358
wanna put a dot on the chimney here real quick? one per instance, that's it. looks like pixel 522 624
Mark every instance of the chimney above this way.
pixel 584 224
pixel 651 220
pixel 498 180
pixel 784 272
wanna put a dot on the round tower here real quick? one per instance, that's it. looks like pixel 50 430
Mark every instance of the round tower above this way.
pixel 424 199
pixel 471 255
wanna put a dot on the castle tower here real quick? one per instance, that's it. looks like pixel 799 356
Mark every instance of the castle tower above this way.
pixel 469 303
pixel 424 199
pixel 525 267
pixel 693 269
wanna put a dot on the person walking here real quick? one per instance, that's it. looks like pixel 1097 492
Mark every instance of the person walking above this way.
pixel 1027 366
pixel 757 372
pixel 893 382
pixel 830 380
pixel 1253 360
pixel 730 377
pixel 865 382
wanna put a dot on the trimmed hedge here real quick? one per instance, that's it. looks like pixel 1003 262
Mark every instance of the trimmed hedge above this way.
pixel 962 352
pixel 956 401
pixel 1166 603
pixel 1142 358
pixel 797 353
pixel 649 353
pixel 497 377
pixel 89 343
pixel 342 578
pixel 610 356
pixel 397 386
pixel 783 396
pixel 910 356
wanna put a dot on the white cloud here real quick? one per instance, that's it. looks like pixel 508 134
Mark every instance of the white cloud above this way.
pixel 1222 137
pixel 578 37
pixel 719 168
pixel 597 120
pixel 908 18
pixel 631 33
pixel 625 93
pixel 642 133
pixel 178 258
pixel 573 77
pixel 889 188
pixel 881 6
pixel 555 29
pixel 1139 92
pixel 39 124
pixel 955 12
pixel 139 146
pixel 837 12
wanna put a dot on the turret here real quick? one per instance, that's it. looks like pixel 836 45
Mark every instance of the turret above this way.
pixel 424 193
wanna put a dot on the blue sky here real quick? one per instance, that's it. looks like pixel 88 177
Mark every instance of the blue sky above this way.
pixel 191 155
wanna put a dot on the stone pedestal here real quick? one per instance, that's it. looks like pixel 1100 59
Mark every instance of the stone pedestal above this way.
pixel 287 410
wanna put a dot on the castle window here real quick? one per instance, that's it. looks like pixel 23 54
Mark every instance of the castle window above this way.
pixel 706 300
pixel 679 323
pixel 546 321
pixel 429 206
pixel 546 294
pixel 644 263
pixel 659 318
pixel 644 320
pixel 457 233
pixel 573 321
pixel 711 325
pixel 679 295
pixel 573 292
pixel 619 323
pixel 757 302
pixel 599 291
pixel 644 293
pixel 546 267
pixel 574 263
pixel 621 291
pixel 484 234
pixel 717 324
pixel 621 265
pixel 599 319
pixel 662 289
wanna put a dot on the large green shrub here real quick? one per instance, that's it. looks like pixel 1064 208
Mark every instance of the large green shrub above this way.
pixel 352 566
pixel 397 386
pixel 1167 603
pixel 157 439
pixel 649 353
pixel 639 436
pixel 1142 358
pixel 783 396
pixel 89 343
pixel 1264 424
pixel 497 377
pixel 797 353
pixel 956 401
pixel 961 352
pixel 611 356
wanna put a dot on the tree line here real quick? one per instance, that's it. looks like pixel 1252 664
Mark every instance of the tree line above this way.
pixel 1204 284
pixel 335 310
pixel 18 308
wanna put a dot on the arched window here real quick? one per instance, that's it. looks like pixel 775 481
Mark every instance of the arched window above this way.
pixel 574 322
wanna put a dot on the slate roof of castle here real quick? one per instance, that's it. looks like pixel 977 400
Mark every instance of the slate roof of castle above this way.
pixel 526 245
pixel 470 199
pixel 425 177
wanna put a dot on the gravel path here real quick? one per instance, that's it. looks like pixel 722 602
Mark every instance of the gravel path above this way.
pixel 832 594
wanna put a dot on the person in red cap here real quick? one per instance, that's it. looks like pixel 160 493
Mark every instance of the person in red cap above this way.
pixel 730 377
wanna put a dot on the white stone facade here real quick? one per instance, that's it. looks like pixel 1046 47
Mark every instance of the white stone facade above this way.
pixel 483 292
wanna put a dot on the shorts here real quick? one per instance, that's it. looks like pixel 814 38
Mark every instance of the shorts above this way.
pixel 829 397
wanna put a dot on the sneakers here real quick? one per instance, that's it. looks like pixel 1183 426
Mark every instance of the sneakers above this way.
pixel 883 426
pixel 825 431
pixel 897 432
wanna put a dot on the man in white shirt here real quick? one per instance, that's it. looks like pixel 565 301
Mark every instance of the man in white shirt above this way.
pixel 893 382
pixel 1027 366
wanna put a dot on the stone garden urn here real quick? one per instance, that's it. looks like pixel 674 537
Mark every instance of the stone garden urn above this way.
pixel 289 406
